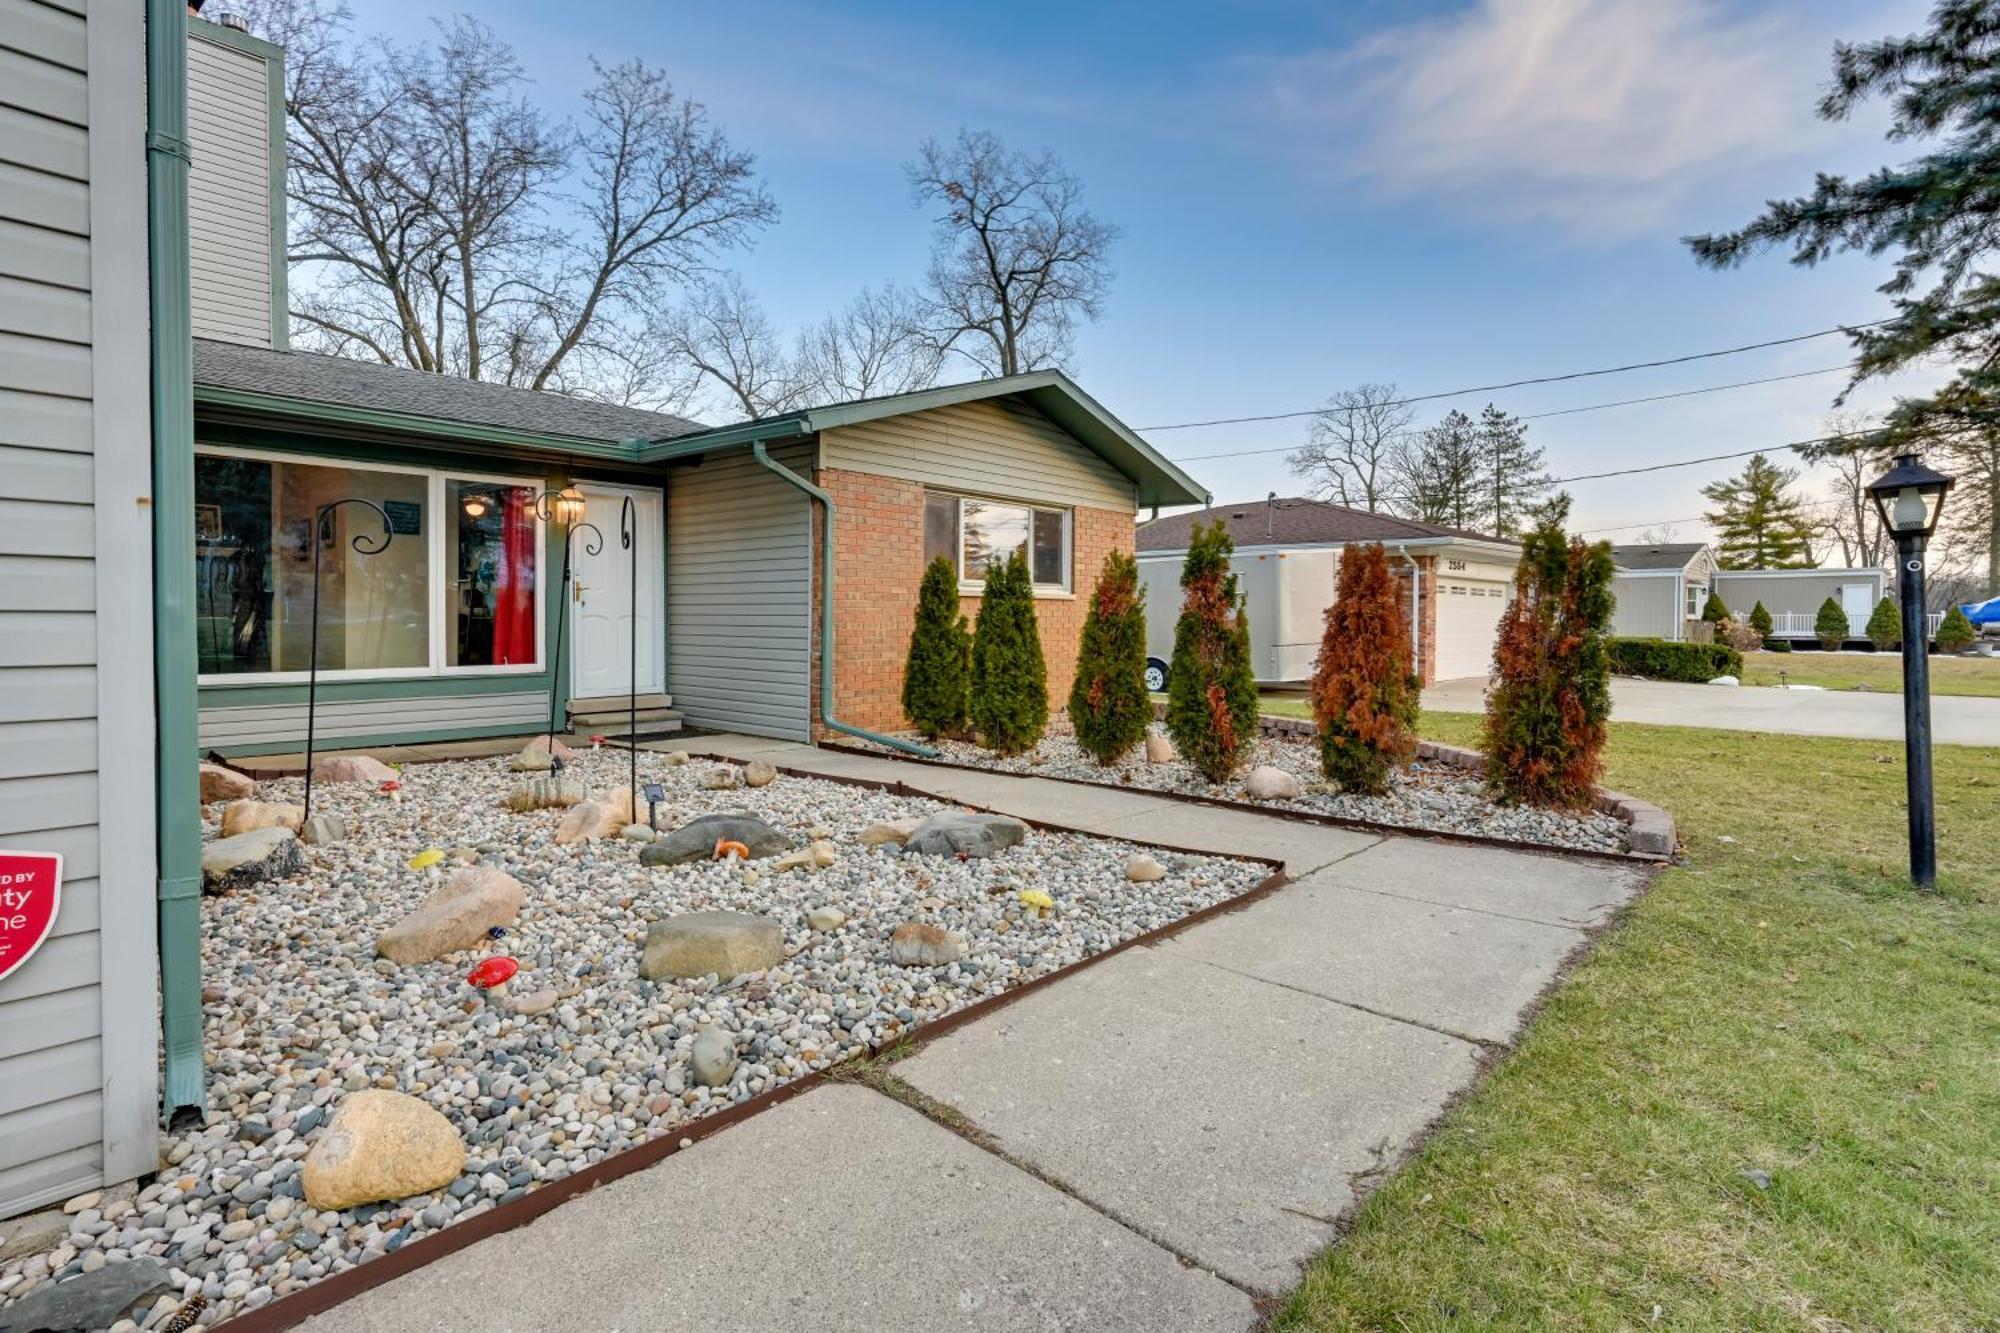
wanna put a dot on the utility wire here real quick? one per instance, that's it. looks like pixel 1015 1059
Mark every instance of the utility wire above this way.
pixel 1538 379
pixel 1561 412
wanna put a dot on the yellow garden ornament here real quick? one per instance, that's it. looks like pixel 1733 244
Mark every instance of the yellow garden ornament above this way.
pixel 1042 904
pixel 425 859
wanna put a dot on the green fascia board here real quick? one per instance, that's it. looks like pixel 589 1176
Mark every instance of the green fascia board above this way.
pixel 1156 480
pixel 224 694
pixel 335 417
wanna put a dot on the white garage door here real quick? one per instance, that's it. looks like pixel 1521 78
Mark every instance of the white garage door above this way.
pixel 1468 620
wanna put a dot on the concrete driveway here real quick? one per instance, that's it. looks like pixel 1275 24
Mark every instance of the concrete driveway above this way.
pixel 1955 719
pixel 1159 1141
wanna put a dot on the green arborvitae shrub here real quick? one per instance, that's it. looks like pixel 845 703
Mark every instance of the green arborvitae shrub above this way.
pixel 1364 687
pixel 1211 692
pixel 1547 709
pixel 1661 659
pixel 1831 625
pixel 937 673
pixel 1955 633
pixel 1885 626
pixel 1108 702
pixel 1713 611
pixel 1010 680
pixel 1760 620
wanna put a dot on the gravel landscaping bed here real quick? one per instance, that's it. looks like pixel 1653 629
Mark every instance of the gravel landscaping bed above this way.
pixel 301 1011
pixel 1429 796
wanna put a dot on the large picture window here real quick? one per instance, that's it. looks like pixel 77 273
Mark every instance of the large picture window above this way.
pixel 455 589
pixel 974 534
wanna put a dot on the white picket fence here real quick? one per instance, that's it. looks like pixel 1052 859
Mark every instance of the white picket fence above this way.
pixel 1800 625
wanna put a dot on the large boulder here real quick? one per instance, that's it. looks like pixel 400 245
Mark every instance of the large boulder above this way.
pixel 458 915
pixel 225 784
pixel 954 833
pixel 713 1057
pixel 352 768
pixel 90 1300
pixel 250 858
pixel 885 831
pixel 544 793
pixel 696 839
pixel 323 830
pixel 599 817
pixel 381 1145
pixel 243 816
pixel 532 760
pixel 1266 783
pixel 561 751
pixel 1159 748
pixel 695 944
pixel 920 944
pixel 757 773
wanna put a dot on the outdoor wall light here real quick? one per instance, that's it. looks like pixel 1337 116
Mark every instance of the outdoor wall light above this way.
pixel 475 505
pixel 1909 497
pixel 568 508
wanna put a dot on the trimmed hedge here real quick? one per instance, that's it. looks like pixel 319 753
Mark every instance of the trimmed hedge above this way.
pixel 1658 659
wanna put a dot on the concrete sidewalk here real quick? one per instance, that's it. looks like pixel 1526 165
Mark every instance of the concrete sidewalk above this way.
pixel 1153 1143
pixel 1874 716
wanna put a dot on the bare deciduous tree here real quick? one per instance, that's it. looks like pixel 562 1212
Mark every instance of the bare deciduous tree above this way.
pixel 444 221
pixel 1851 522
pixel 1349 453
pixel 1017 260
pixel 877 344
pixel 725 338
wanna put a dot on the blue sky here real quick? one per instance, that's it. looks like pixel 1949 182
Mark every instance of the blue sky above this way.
pixel 1314 196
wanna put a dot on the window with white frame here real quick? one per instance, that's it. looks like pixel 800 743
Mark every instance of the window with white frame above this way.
pixel 973 534
pixel 1697 598
pixel 455 589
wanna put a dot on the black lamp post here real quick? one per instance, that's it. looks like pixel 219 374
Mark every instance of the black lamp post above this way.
pixel 322 536
pixel 1909 497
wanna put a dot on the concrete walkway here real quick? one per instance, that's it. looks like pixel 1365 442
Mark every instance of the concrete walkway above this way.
pixel 1156 1142
pixel 1857 715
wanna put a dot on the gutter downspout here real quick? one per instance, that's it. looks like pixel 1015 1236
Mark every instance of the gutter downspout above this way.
pixel 1416 607
pixel 769 464
pixel 176 736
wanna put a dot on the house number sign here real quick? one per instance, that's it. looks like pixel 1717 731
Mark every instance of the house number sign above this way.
pixel 30 894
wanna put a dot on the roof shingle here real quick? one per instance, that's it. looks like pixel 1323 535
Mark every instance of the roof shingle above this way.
pixel 1293 522
pixel 1669 555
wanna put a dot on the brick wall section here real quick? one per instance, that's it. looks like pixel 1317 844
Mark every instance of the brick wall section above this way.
pixel 1426 610
pixel 879 563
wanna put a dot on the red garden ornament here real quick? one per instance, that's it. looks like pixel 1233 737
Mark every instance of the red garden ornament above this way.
pixel 725 849
pixel 493 972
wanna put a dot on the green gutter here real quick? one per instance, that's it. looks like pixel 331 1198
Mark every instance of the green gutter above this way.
pixel 176 744
pixel 826 717
pixel 263 406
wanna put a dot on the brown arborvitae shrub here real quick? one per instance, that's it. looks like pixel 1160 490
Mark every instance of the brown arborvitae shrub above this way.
pixel 1551 695
pixel 1364 692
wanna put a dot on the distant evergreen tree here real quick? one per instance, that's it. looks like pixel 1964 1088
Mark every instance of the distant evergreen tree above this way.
pixel 1108 702
pixel 1760 620
pixel 1547 710
pixel 1010 679
pixel 1437 475
pixel 1510 471
pixel 1211 691
pixel 1760 525
pixel 1364 685
pixel 1831 625
pixel 937 672
pixel 1885 626
pixel 1955 633
pixel 1713 611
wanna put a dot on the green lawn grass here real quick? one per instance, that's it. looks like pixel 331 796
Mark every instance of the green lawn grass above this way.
pixel 1877 671
pixel 1782 1003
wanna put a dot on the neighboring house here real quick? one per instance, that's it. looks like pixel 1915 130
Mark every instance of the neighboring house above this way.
pixel 193 522
pixel 1455 583
pixel 1662 589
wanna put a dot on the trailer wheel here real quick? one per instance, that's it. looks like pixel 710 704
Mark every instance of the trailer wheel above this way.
pixel 1156 676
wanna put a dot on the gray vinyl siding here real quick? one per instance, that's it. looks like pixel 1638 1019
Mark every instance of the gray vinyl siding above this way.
pixel 1779 593
pixel 78 1054
pixel 231 189
pixel 1000 447
pixel 246 728
pixel 739 595
pixel 1649 606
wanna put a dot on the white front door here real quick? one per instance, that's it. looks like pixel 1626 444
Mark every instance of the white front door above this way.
pixel 603 600
pixel 1855 599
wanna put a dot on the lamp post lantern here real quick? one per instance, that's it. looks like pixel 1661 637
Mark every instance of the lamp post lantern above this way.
pixel 1909 497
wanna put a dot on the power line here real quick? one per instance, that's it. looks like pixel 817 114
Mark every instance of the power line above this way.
pixel 1562 412
pixel 1538 379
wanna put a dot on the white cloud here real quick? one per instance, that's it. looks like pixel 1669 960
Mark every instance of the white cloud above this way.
pixel 1602 116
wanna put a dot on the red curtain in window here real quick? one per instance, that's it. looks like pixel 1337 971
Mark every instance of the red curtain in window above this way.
pixel 514 581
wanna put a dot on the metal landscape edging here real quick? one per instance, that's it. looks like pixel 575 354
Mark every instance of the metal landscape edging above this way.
pixel 1306 816
pixel 335 1289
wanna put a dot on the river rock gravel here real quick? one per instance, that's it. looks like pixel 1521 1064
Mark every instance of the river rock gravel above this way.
pixel 1427 796
pixel 299 1009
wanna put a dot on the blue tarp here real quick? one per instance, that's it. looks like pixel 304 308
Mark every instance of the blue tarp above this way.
pixel 1983 613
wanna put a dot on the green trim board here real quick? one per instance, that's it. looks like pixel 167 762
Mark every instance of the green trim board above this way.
pixel 239 404
pixel 1156 480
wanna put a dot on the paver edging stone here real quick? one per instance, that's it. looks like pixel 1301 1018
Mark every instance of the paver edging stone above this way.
pixel 336 1288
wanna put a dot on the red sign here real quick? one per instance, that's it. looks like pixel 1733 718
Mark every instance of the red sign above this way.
pixel 30 894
